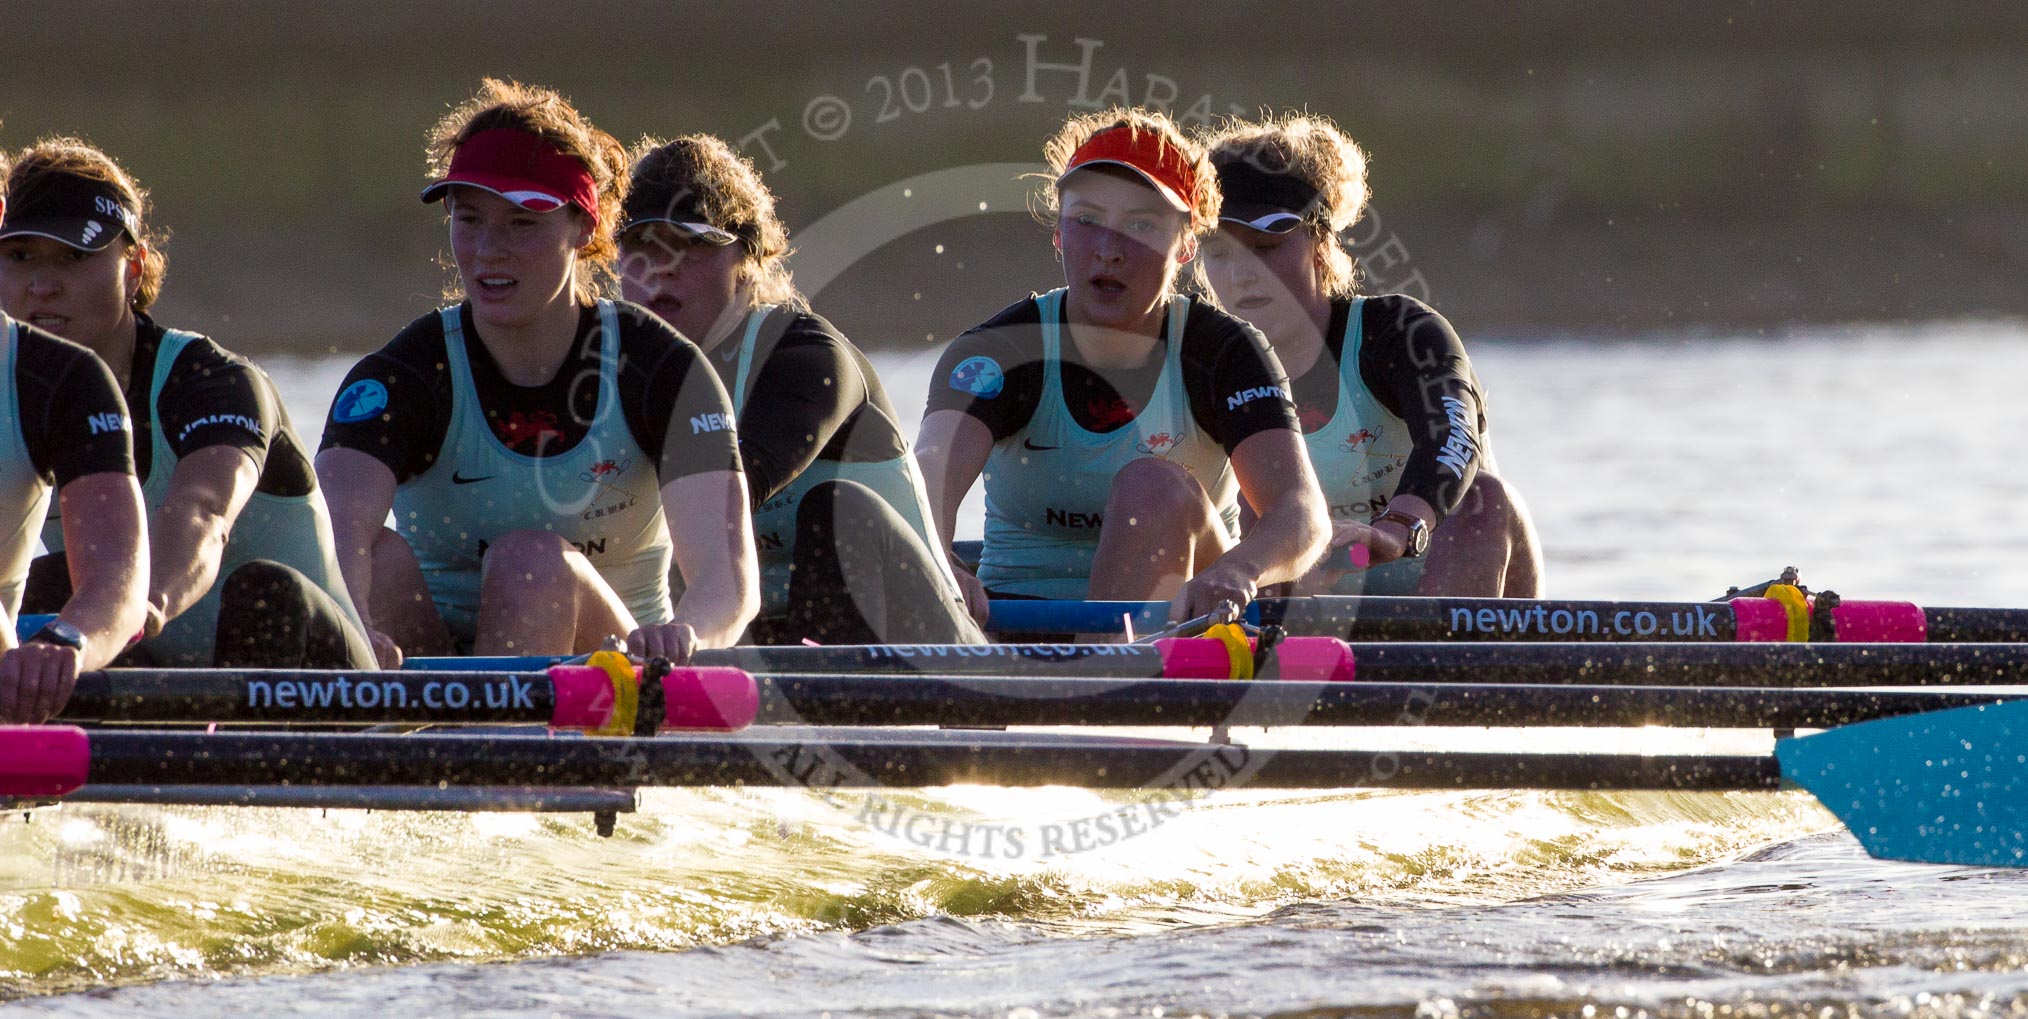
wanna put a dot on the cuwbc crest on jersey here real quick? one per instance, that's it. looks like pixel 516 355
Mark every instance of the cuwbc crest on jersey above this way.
pixel 605 472
pixel 1362 437
pixel 1158 444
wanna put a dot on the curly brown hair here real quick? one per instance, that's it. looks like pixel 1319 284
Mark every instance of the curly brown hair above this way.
pixel 702 172
pixel 1080 129
pixel 1312 149
pixel 75 157
pixel 545 113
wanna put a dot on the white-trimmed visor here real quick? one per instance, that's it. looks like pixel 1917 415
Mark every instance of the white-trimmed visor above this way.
pixel 700 230
pixel 533 201
pixel 1273 222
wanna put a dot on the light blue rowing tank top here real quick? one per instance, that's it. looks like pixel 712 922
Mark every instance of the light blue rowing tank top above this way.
pixel 1359 457
pixel 602 496
pixel 774 523
pixel 24 494
pixel 1047 484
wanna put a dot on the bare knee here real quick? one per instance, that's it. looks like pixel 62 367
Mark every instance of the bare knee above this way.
pixel 390 551
pixel 398 584
pixel 848 499
pixel 1155 491
pixel 524 561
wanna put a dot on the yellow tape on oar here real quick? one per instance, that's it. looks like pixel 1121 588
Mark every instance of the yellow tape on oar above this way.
pixel 1237 648
pixel 626 692
pixel 1797 604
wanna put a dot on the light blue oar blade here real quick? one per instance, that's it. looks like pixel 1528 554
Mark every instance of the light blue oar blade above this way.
pixel 1941 787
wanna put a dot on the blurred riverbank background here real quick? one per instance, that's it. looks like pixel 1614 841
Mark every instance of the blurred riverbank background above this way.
pixel 1538 170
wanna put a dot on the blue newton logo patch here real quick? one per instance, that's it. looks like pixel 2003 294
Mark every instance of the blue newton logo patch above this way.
pixel 361 400
pixel 979 376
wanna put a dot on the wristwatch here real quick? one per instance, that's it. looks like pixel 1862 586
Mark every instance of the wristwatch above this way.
pixel 1418 532
pixel 61 634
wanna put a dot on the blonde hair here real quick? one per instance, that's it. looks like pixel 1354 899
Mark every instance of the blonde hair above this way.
pixel 545 114
pixel 725 188
pixel 1080 129
pixel 75 157
pixel 1312 149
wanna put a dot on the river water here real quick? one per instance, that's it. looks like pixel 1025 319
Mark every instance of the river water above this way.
pixel 1879 461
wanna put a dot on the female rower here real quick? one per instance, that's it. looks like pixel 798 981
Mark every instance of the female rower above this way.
pixel 1115 420
pixel 1390 406
pixel 839 515
pixel 72 436
pixel 243 571
pixel 530 437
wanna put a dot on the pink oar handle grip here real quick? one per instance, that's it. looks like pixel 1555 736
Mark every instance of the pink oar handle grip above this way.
pixel 583 695
pixel 1759 620
pixel 718 698
pixel 1880 622
pixel 1313 659
pixel 1857 622
pixel 43 760
pixel 1194 658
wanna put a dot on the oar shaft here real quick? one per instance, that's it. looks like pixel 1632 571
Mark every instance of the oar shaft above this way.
pixel 1506 619
pixel 1720 665
pixel 935 700
pixel 578 696
pixel 1377 618
pixel 1435 674
pixel 1119 660
pixel 229 695
pixel 491 799
pixel 1976 625
pixel 1628 664
pixel 935 759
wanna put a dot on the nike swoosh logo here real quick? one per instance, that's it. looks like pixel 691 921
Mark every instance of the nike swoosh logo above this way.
pixel 456 479
pixel 1030 444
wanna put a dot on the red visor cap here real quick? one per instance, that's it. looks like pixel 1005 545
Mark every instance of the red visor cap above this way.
pixel 522 168
pixel 1150 156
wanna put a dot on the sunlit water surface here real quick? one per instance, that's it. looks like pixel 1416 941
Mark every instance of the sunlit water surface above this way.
pixel 1880 462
